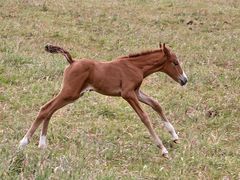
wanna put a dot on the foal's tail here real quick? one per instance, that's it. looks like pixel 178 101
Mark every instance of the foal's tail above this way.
pixel 56 49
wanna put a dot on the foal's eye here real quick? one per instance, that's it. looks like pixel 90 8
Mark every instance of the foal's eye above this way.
pixel 175 63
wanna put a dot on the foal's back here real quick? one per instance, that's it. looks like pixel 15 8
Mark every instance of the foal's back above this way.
pixel 107 78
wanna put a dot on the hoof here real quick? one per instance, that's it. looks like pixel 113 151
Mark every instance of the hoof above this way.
pixel 21 147
pixel 42 146
pixel 176 141
pixel 165 155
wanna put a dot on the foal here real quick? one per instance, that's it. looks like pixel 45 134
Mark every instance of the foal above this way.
pixel 121 77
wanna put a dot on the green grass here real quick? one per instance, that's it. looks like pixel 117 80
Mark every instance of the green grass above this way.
pixel 100 137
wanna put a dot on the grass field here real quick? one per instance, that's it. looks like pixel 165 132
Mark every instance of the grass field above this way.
pixel 100 137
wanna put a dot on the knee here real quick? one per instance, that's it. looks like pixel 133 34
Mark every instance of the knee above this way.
pixel 145 119
pixel 43 113
pixel 126 95
pixel 157 106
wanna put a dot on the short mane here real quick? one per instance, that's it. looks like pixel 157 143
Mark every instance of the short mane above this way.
pixel 132 55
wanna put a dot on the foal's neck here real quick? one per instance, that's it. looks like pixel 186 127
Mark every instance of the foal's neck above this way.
pixel 148 62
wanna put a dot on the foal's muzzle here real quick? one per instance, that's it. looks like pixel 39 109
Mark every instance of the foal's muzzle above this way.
pixel 183 82
pixel 183 79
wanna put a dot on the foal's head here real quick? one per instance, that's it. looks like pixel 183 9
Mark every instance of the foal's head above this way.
pixel 172 66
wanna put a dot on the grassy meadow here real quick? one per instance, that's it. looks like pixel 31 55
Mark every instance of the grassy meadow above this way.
pixel 100 137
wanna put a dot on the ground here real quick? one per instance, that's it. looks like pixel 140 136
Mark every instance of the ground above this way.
pixel 100 137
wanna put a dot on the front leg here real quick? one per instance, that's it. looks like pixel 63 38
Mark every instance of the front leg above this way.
pixel 155 105
pixel 131 98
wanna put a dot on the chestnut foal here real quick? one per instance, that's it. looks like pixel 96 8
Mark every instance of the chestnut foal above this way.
pixel 121 77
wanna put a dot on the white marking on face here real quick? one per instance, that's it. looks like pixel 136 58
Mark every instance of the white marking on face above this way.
pixel 42 142
pixel 183 77
pixel 23 142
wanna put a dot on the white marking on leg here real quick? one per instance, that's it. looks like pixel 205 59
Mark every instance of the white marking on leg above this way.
pixel 42 142
pixel 23 142
pixel 171 130
pixel 161 146
pixel 164 150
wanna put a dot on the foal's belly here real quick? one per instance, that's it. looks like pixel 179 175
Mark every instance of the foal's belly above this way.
pixel 102 90
pixel 107 86
pixel 106 80
pixel 112 92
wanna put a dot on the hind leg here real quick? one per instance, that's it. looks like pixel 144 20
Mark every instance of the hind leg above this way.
pixel 74 80
pixel 54 107
pixel 49 109
pixel 44 115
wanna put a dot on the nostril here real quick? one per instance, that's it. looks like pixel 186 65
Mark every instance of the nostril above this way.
pixel 183 81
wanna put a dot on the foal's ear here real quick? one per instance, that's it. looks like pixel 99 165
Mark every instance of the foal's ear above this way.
pixel 160 45
pixel 166 50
